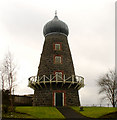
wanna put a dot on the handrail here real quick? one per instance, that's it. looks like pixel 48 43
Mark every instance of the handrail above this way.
pixel 73 79
pixel 44 77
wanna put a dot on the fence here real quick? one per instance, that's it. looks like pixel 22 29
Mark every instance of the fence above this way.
pixel 97 105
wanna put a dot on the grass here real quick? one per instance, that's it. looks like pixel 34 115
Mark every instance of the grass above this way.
pixel 95 112
pixel 52 112
pixel 15 115
pixel 40 112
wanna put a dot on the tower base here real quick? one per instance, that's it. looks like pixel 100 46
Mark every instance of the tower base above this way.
pixel 56 97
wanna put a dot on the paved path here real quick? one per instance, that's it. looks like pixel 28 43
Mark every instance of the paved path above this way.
pixel 70 113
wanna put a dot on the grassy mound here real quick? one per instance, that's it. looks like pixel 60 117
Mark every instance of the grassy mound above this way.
pixel 40 112
pixel 95 112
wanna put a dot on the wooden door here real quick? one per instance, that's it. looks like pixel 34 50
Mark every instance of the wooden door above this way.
pixel 59 99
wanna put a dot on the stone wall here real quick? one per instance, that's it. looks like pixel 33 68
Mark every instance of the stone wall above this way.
pixel 47 66
pixel 44 97
pixel 72 97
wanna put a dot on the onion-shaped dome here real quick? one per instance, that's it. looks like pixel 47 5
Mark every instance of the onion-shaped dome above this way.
pixel 55 25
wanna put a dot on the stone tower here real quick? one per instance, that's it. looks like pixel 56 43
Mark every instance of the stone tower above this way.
pixel 56 83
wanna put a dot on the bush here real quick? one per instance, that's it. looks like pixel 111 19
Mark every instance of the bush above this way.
pixel 11 108
pixel 5 101
pixel 5 108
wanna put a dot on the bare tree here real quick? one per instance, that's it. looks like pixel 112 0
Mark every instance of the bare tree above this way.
pixel 8 74
pixel 108 86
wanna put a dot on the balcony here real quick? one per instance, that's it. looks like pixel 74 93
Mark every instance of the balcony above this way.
pixel 44 81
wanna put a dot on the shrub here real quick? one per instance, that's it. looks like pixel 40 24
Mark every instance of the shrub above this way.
pixel 5 101
pixel 5 108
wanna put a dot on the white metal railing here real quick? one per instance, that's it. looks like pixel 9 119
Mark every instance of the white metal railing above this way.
pixel 73 79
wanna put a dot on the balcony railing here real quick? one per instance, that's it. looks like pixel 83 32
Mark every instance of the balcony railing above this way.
pixel 77 81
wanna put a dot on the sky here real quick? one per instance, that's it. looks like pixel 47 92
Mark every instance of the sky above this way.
pixel 91 38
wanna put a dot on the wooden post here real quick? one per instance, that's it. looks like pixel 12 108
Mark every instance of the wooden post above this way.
pixel 72 78
pixel 44 79
pixel 50 79
pixel 37 78
pixel 64 78
pixel 34 78
pixel 56 78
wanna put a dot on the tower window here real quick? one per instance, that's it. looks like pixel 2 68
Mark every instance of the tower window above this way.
pixel 57 46
pixel 59 75
pixel 57 59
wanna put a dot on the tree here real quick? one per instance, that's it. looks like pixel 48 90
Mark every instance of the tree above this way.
pixel 108 86
pixel 8 74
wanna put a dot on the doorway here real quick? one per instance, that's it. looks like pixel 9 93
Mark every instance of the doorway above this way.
pixel 59 99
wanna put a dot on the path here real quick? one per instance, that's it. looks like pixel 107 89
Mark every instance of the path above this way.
pixel 70 113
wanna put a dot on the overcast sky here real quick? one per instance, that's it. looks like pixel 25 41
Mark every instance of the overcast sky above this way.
pixel 91 38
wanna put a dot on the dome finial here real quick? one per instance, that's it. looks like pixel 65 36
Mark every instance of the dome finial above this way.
pixel 55 12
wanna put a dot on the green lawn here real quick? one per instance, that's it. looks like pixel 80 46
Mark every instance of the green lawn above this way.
pixel 16 115
pixel 40 112
pixel 95 112
pixel 52 112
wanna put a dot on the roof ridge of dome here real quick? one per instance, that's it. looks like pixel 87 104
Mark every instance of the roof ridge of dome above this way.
pixel 56 25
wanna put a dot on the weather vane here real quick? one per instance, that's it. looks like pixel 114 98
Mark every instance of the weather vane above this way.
pixel 55 12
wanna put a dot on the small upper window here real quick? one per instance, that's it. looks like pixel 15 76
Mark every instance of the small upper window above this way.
pixel 57 46
pixel 58 60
